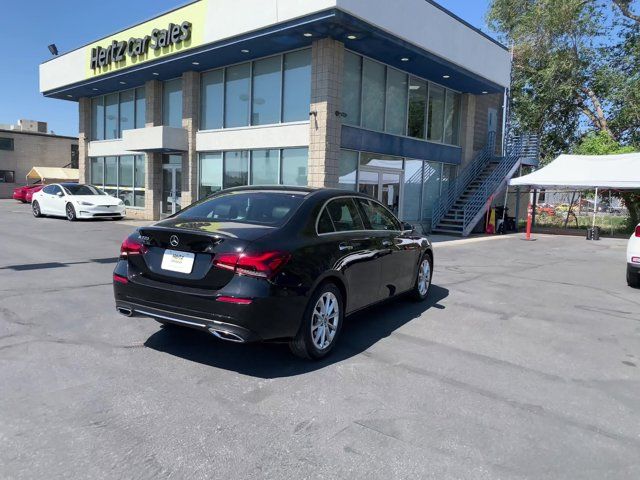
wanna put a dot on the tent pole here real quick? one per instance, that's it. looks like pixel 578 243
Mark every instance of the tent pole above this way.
pixel 504 209
pixel 595 208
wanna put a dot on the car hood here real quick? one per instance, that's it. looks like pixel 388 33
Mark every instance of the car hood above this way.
pixel 97 199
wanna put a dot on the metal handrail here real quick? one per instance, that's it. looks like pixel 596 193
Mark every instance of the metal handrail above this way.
pixel 517 149
pixel 458 186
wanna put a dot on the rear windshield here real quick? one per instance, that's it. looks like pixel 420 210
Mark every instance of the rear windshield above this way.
pixel 261 208
pixel 83 190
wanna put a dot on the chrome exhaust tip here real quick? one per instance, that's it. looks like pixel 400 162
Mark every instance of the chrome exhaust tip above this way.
pixel 127 312
pixel 227 335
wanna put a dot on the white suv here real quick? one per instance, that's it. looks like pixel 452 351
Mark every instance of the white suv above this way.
pixel 633 259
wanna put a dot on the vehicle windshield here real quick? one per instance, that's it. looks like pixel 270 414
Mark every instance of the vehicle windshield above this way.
pixel 259 207
pixel 83 190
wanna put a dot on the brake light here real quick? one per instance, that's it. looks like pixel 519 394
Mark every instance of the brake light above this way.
pixel 119 279
pixel 262 265
pixel 638 231
pixel 132 246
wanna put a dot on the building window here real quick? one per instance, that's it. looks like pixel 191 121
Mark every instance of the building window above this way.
pixel 373 94
pixel 6 143
pixel 237 86
pixel 219 170
pixel 396 110
pixel 294 166
pixel 75 155
pixel 112 114
pixel 417 108
pixel 7 176
pixel 210 173
pixel 352 88
pixel 122 177
pixel 436 113
pixel 348 170
pixel 212 105
pixel 384 99
pixel 172 103
pixel 266 90
pixel 265 167
pixel 297 86
pixel 432 174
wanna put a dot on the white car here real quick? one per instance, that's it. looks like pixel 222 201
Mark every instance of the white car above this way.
pixel 633 259
pixel 74 201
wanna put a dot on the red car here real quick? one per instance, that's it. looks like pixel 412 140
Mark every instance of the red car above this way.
pixel 24 194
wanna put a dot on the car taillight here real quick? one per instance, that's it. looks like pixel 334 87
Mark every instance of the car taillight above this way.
pixel 638 231
pixel 262 265
pixel 120 279
pixel 132 246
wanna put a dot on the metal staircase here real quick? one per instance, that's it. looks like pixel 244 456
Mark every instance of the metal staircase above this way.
pixel 459 209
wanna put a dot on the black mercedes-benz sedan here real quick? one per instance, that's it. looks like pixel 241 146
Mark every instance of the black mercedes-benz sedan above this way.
pixel 271 264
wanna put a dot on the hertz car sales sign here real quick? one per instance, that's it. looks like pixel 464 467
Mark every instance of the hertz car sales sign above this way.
pixel 134 47
pixel 168 34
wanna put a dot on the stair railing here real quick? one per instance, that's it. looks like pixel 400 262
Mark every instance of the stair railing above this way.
pixel 457 186
pixel 518 148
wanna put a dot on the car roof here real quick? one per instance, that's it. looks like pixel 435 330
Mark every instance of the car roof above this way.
pixel 313 192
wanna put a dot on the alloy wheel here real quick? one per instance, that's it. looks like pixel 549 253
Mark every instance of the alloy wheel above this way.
pixel 325 319
pixel 70 213
pixel 424 277
pixel 35 207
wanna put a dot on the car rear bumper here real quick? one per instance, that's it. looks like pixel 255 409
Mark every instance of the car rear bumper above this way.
pixel 274 313
pixel 633 268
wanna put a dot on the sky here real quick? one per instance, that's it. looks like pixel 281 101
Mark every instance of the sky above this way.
pixel 28 26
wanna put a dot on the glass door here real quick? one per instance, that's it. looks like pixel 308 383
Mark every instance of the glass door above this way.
pixel 384 185
pixel 171 184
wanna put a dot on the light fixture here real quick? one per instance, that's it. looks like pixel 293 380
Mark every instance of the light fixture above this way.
pixel 414 87
pixel 123 83
pixel 70 96
pixel 308 34
pixel 195 63
pixel 446 76
pixel 244 50
pixel 155 73
pixel 404 59
pixel 484 92
pixel 53 49
pixel 94 89
pixel 352 37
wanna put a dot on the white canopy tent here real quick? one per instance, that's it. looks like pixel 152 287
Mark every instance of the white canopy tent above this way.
pixel 586 172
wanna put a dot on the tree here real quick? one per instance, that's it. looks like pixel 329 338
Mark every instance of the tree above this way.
pixel 574 66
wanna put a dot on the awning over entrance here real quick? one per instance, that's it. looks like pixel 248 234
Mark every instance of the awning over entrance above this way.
pixel 586 172
pixel 48 174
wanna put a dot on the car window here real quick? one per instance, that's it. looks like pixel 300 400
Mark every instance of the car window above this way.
pixel 325 225
pixel 83 190
pixel 49 189
pixel 262 208
pixel 379 217
pixel 345 215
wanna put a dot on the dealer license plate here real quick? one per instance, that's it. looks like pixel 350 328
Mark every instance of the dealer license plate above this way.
pixel 175 261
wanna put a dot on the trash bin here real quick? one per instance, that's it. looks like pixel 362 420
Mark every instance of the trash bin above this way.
pixel 596 233
pixel 589 233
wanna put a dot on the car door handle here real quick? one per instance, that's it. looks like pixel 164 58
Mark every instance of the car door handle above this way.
pixel 345 246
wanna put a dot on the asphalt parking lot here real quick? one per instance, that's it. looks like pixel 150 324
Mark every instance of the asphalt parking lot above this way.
pixel 524 363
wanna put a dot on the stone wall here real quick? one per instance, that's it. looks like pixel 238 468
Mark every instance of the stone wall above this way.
pixel 31 150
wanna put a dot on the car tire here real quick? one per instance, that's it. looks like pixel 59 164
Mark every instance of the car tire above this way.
pixel 321 324
pixel 423 279
pixel 35 209
pixel 71 213
pixel 633 278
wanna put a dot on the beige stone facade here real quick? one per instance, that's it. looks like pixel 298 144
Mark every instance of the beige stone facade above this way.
pixel 32 149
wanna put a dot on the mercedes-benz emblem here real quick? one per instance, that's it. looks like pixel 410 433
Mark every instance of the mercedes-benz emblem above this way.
pixel 174 240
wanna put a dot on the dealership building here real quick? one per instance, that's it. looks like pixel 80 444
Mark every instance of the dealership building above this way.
pixel 392 98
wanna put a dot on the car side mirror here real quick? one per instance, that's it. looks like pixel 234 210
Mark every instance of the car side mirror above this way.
pixel 59 194
pixel 407 227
